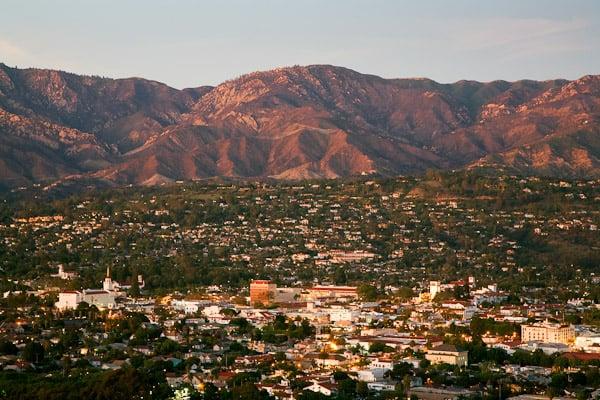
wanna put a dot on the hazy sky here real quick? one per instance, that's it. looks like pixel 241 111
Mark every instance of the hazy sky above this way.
pixel 192 43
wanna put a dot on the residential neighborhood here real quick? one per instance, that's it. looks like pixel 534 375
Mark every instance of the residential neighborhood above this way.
pixel 359 289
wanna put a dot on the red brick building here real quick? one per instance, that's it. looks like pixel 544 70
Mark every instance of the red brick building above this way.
pixel 262 291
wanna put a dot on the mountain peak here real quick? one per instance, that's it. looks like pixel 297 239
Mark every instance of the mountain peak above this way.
pixel 289 123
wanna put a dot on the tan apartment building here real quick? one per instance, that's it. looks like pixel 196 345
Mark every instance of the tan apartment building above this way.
pixel 547 333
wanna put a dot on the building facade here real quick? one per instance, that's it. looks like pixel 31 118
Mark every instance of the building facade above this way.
pixel 547 333
pixel 449 354
pixel 337 292
pixel 69 300
pixel 262 291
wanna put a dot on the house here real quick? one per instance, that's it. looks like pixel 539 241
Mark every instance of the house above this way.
pixel 330 360
pixel 509 346
pixel 279 391
pixel 371 374
pixel 62 274
pixel 325 388
pixel 383 363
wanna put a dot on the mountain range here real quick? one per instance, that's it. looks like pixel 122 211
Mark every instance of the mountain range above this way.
pixel 318 121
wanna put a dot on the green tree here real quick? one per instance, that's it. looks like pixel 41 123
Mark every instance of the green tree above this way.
pixel 362 389
pixel 367 292
pixel 8 347
pixel 33 352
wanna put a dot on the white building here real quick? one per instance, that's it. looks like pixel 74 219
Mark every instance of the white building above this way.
pixel 101 298
pixel 107 284
pixel 387 364
pixel 187 306
pixel 325 388
pixel 68 300
pixel 113 286
pixel 62 274
pixel 341 314
pixel 370 375
pixel 588 342
pixel 380 386
pixel 434 289
pixel 547 347
pixel 212 311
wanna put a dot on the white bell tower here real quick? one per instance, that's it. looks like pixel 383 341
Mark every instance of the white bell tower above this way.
pixel 108 283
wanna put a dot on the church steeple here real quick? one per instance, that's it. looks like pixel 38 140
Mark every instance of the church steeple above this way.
pixel 108 283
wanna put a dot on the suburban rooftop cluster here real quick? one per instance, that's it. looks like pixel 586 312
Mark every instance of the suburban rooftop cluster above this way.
pixel 442 287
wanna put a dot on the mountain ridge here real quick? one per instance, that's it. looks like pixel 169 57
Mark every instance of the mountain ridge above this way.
pixel 316 121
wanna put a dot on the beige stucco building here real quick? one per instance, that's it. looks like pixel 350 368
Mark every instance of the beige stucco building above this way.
pixel 449 354
pixel 547 333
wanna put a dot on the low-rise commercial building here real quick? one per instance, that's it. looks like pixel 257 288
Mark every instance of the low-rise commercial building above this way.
pixel 449 354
